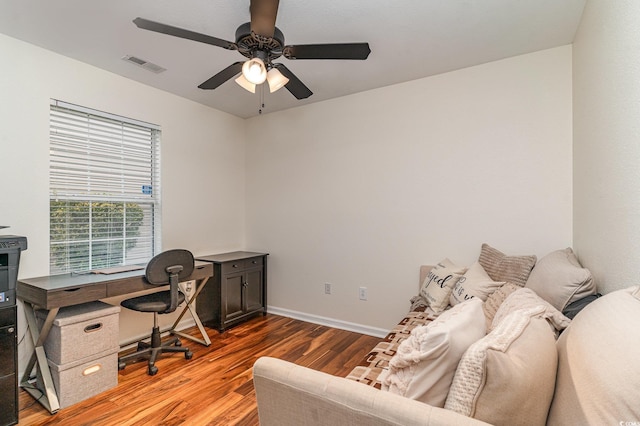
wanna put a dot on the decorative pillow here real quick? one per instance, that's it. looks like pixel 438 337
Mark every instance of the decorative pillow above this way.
pixel 574 308
pixel 493 302
pixel 424 365
pixel 497 375
pixel 500 267
pixel 598 369
pixel 437 287
pixel 560 279
pixel 474 283
pixel 525 298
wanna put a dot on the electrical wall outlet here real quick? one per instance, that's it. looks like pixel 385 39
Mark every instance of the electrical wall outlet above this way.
pixel 327 288
pixel 362 293
pixel 189 287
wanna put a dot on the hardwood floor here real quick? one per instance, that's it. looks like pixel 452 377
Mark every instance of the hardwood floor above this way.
pixel 216 386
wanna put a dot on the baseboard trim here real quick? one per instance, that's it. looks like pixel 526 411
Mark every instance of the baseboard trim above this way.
pixel 329 322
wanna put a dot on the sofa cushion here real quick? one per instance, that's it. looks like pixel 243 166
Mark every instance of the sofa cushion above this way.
pixel 560 279
pixel 424 365
pixel 497 375
pixel 474 283
pixel 525 298
pixel 500 267
pixel 493 302
pixel 598 369
pixel 438 284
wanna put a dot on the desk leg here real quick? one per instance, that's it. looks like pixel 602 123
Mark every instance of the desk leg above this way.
pixel 48 398
pixel 205 340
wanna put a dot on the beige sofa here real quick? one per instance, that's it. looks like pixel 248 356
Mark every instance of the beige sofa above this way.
pixel 595 380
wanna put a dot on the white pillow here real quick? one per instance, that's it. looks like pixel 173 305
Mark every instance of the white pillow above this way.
pixel 474 283
pixel 438 284
pixel 525 298
pixel 425 363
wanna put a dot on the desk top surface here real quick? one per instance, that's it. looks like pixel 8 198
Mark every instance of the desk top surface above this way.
pixel 66 281
pixel 230 257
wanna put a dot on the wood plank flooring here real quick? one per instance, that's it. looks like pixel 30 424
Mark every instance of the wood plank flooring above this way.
pixel 216 386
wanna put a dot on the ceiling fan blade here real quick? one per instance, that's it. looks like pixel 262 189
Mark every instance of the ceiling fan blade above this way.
pixel 182 33
pixel 224 75
pixel 328 51
pixel 263 16
pixel 295 86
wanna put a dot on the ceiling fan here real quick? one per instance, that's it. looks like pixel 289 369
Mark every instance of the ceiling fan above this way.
pixel 262 42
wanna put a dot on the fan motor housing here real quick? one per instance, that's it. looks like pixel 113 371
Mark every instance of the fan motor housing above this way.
pixel 249 42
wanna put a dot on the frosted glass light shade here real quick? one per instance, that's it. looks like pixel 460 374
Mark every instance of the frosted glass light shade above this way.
pixel 254 71
pixel 276 79
pixel 246 84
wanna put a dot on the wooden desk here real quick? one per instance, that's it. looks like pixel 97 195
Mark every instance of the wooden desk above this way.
pixel 57 291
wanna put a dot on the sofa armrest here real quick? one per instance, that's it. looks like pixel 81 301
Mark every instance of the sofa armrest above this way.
pixel 292 395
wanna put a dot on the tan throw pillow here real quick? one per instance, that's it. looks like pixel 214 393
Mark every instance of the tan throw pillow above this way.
pixel 500 267
pixel 437 287
pixel 474 283
pixel 493 302
pixel 560 279
pixel 424 365
pixel 508 377
pixel 598 368
pixel 525 298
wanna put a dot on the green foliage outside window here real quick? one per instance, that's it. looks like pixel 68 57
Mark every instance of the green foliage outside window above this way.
pixel 92 234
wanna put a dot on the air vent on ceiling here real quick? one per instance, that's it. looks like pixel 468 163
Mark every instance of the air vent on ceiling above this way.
pixel 149 66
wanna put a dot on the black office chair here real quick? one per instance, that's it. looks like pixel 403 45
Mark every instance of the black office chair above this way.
pixel 168 267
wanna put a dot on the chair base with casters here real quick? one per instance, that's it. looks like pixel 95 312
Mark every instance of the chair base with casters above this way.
pixel 155 347
pixel 166 268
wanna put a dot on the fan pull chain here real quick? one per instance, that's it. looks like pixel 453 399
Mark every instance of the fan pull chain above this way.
pixel 261 107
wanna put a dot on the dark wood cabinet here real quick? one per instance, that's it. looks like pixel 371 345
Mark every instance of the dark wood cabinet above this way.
pixel 8 366
pixel 237 290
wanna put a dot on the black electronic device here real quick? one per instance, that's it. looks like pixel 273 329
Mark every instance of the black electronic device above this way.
pixel 10 248
pixel 8 366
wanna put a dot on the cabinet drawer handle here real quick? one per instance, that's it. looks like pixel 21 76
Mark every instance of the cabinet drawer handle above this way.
pixel 235 265
pixel 255 262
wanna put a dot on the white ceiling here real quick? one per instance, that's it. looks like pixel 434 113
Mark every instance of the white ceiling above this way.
pixel 409 39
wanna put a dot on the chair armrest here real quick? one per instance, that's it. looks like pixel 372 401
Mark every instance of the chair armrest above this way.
pixel 292 395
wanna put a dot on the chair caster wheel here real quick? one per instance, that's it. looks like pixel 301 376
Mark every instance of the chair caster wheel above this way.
pixel 121 365
pixel 188 355
pixel 178 343
pixel 152 370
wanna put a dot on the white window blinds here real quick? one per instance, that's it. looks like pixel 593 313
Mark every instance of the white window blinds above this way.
pixel 104 190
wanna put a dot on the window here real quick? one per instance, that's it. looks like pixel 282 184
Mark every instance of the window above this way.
pixel 104 189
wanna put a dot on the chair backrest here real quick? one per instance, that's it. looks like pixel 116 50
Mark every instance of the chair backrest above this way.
pixel 169 267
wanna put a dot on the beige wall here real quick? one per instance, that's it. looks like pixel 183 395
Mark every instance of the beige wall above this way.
pixel 606 123
pixel 361 190
pixel 202 159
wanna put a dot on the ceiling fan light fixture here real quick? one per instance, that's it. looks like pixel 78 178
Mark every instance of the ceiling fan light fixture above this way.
pixel 276 80
pixel 246 84
pixel 254 71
